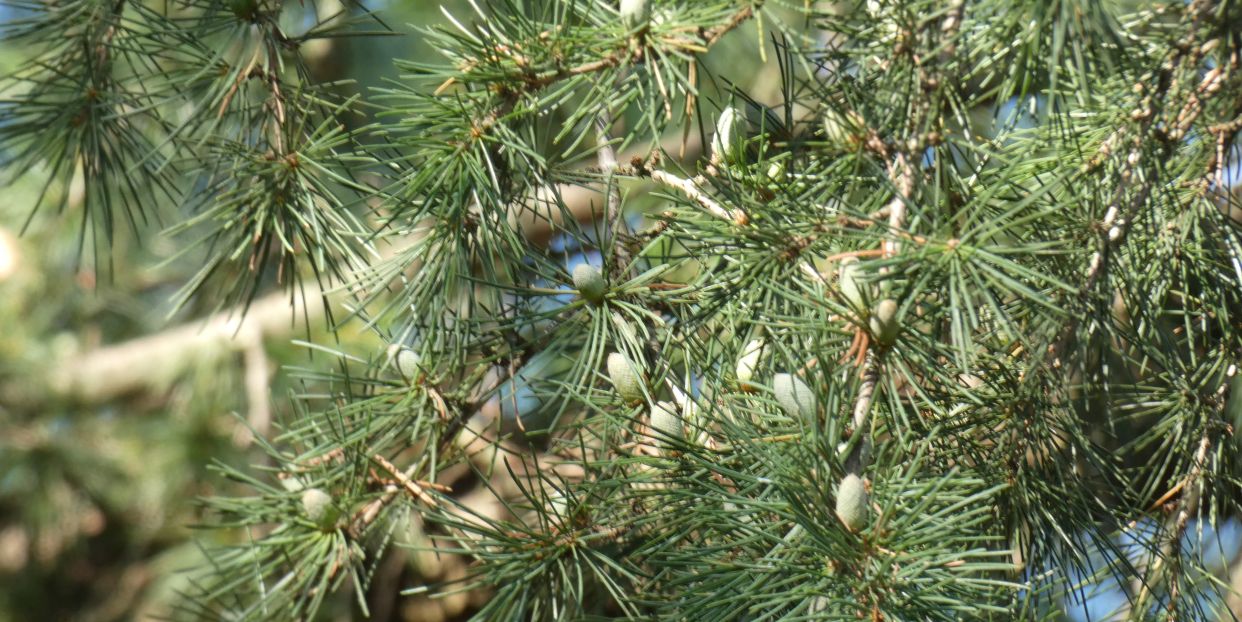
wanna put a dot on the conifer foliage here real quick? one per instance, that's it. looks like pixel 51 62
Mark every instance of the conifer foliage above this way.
pixel 946 326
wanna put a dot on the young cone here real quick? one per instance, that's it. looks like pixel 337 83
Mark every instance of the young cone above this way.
pixel 748 362
pixel 842 130
pixel 776 170
pixel 407 363
pixel 590 282
pixel 561 506
pixel 318 507
pixel 692 422
pixel 848 275
pixel 852 502
pixel 666 424
pixel 626 378
pixel 635 13
pixel 794 396
pixel 724 142
pixel 884 324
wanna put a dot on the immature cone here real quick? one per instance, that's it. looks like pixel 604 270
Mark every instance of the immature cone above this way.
pixel 794 396
pixel 849 275
pixel 666 424
pixel 292 483
pixel 884 325
pixel 590 282
pixel 776 170
pixel 747 363
pixel 559 505
pixel 724 142
pixel 318 507
pixel 626 379
pixel 635 13
pixel 842 130
pixel 407 362
pixel 852 502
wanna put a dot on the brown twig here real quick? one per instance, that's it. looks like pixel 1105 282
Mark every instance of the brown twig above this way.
pixel 614 227
pixel 547 79
pixel 902 174
pixel 696 194
pixel 860 416
pixel 713 35
pixel 404 480
pixel 1117 219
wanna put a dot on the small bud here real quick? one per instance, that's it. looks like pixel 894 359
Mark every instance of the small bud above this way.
pixel 590 282
pixel 318 507
pixel 292 483
pixel 748 362
pixel 560 506
pixel 848 275
pixel 635 13
pixel 666 424
pixel 852 502
pixel 407 362
pixel 843 131
pixel 884 324
pixel 724 144
pixel 626 378
pixel 776 170
pixel 794 396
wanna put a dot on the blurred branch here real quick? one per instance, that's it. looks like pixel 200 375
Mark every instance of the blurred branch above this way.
pixel 258 392
pixel 156 360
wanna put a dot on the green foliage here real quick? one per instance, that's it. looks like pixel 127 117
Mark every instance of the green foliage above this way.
pixel 947 331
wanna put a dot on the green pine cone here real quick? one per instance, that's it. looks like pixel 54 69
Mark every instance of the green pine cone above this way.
pixel 884 324
pixel 319 508
pixel 407 363
pixel 795 397
pixel 843 131
pixel 635 13
pixel 666 424
pixel 852 502
pixel 725 147
pixel 849 275
pixel 748 362
pixel 590 282
pixel 626 378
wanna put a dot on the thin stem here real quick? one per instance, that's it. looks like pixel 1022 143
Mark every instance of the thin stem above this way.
pixel 1119 216
pixel 902 174
pixel 614 226
pixel 696 194
pixel 710 37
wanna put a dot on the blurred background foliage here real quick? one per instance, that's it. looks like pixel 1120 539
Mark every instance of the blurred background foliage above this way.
pixel 97 498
